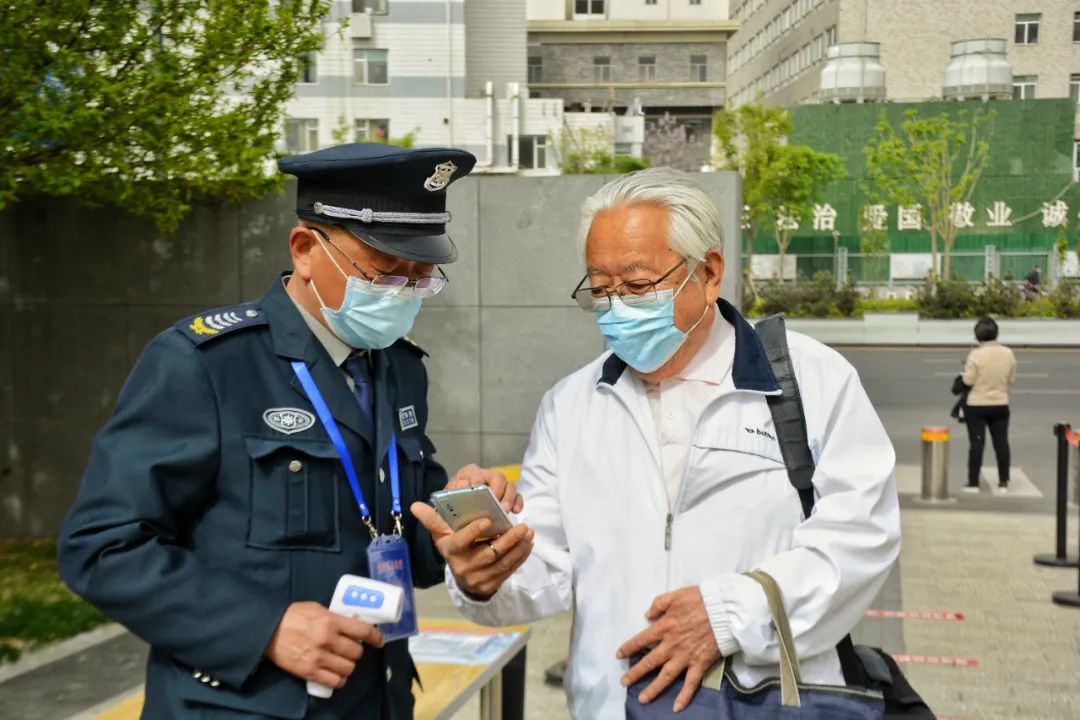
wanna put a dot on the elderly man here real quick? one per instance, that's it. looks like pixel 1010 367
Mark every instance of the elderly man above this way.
pixel 653 478
pixel 258 452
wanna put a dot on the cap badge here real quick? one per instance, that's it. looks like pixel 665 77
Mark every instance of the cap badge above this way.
pixel 441 177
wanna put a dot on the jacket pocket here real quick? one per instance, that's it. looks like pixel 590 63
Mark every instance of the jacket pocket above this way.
pixel 745 466
pixel 294 494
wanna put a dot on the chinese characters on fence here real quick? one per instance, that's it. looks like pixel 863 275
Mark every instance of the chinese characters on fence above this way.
pixel 962 215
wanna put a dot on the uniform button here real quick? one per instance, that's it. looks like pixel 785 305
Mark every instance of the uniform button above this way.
pixel 296 466
pixel 389 674
pixel 382 475
pixel 252 313
pixel 215 683
pixel 205 678
pixel 197 674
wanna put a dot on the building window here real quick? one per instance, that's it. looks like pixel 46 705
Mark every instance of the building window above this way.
pixel 301 135
pixel 699 68
pixel 369 67
pixel 601 69
pixel 1076 27
pixel 650 2
pixel 371 130
pixel 371 7
pixel 532 152
pixel 646 68
pixel 1027 29
pixel 309 68
pixel 830 36
pixel 1024 87
pixel 588 7
pixel 1076 160
pixel 536 69
pixel 1074 88
pixel 695 2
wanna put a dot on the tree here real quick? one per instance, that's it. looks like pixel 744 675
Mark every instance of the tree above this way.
pixel 780 181
pixel 588 151
pixel 147 105
pixel 799 175
pixel 667 144
pixel 934 162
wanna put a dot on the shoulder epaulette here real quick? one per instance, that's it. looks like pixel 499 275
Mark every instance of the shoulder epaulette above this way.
pixel 408 342
pixel 211 324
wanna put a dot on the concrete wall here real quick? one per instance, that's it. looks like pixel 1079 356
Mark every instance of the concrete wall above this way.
pixel 82 291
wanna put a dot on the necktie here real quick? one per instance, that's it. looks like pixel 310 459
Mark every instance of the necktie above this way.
pixel 357 367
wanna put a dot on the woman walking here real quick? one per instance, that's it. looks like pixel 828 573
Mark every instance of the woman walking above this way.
pixel 989 371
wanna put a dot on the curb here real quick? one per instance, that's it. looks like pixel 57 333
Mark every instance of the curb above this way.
pixel 60 650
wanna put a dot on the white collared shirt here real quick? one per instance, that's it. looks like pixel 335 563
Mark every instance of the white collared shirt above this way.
pixel 677 403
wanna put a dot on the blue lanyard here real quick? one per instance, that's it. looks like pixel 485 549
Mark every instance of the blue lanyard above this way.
pixel 316 398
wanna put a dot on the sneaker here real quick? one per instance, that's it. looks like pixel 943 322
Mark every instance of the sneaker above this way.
pixel 1003 487
pixel 970 489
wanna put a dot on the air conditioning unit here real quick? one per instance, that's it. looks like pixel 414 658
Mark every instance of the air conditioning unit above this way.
pixel 360 26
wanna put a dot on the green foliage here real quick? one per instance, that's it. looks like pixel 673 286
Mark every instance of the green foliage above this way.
pixel 817 297
pixel 995 297
pixel 887 305
pixel 933 162
pixel 1065 299
pixel 35 606
pixel 946 299
pixel 588 151
pixel 779 180
pixel 874 246
pixel 147 105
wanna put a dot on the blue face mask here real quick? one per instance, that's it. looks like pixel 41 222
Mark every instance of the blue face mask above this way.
pixel 370 317
pixel 644 335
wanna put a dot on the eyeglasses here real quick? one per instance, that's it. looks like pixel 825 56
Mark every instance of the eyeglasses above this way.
pixel 631 292
pixel 421 287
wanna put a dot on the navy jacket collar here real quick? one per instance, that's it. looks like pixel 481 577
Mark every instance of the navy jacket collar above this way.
pixel 750 371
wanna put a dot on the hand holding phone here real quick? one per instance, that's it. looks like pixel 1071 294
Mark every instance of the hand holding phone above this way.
pixel 462 506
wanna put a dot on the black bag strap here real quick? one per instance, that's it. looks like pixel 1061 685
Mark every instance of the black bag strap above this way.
pixel 790 423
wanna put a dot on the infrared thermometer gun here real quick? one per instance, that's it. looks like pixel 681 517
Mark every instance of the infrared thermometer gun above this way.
pixel 366 600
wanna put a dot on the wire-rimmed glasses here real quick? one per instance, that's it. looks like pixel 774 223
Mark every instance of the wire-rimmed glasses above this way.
pixel 421 287
pixel 631 292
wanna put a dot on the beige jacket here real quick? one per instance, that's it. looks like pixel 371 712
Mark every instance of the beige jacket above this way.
pixel 989 371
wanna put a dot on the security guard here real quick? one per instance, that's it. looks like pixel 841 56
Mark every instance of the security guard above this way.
pixel 257 450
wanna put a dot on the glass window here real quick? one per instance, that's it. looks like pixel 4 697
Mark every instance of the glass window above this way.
pixel 532 152
pixel 830 36
pixel 309 69
pixel 601 69
pixel 695 2
pixel 1076 160
pixel 369 67
pixel 646 68
pixel 372 130
pixel 650 2
pixel 699 68
pixel 589 7
pixel 1027 29
pixel 1024 87
pixel 1076 27
pixel 536 69
pixel 301 135
pixel 371 7
pixel 1074 87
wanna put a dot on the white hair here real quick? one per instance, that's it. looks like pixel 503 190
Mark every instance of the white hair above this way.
pixel 695 220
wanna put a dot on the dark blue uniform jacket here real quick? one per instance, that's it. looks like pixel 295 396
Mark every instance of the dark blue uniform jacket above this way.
pixel 198 522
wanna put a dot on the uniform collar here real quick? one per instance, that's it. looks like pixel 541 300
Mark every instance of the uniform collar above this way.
pixel 338 351
pixel 750 370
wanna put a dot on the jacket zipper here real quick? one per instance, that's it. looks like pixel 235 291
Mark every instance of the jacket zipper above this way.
pixel 667 530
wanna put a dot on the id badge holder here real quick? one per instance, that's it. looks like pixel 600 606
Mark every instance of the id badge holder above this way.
pixel 388 562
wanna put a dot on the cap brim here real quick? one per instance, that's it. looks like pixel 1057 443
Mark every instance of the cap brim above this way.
pixel 435 248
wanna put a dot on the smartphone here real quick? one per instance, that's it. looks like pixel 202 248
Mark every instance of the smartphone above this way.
pixel 460 507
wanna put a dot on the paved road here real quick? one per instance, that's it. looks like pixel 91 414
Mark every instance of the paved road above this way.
pixel 910 388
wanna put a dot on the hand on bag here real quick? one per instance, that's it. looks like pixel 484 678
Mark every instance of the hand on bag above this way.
pixel 480 568
pixel 504 490
pixel 681 639
pixel 315 644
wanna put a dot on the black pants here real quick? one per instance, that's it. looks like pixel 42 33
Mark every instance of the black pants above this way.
pixel 978 418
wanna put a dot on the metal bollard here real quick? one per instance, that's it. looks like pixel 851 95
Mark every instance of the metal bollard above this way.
pixel 935 464
pixel 1060 558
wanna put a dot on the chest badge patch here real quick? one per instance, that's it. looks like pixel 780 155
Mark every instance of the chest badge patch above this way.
pixel 407 417
pixel 288 420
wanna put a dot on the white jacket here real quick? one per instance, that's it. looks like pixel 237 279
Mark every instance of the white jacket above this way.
pixel 595 495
